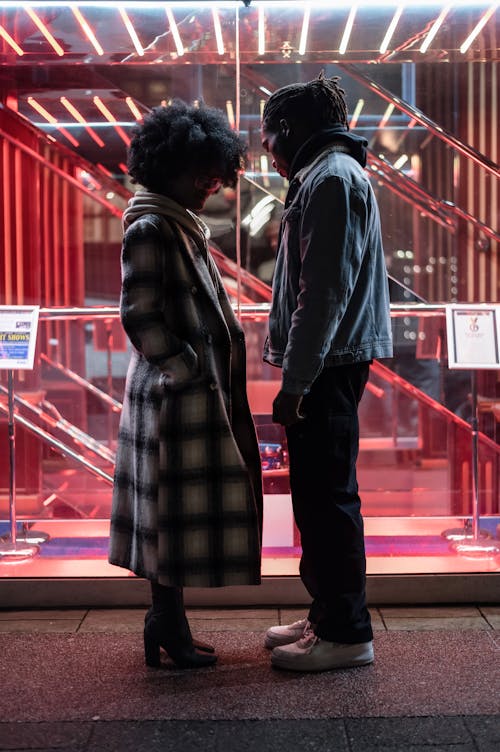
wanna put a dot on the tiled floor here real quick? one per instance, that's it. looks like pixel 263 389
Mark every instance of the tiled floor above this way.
pixel 384 618
pixel 74 681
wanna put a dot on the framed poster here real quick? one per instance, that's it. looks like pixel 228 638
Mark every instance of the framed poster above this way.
pixel 472 333
pixel 18 329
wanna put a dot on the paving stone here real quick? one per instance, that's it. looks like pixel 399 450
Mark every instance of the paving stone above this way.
pixel 153 736
pixel 405 747
pixel 401 733
pixel 431 612
pixel 423 623
pixel 44 735
pixel 113 620
pixel 485 730
pixel 39 614
pixel 277 736
pixel 492 615
pixel 229 625
pixel 40 625
pixel 232 613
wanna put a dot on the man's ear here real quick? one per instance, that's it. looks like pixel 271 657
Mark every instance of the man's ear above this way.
pixel 284 127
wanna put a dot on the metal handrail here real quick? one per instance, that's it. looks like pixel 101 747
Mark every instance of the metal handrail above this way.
pixel 59 445
pixel 61 424
pixel 415 114
pixel 73 376
pixel 412 391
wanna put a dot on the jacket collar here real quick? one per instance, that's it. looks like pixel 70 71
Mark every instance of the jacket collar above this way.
pixel 355 146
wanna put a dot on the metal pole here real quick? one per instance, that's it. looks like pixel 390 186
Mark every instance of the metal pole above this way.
pixel 109 372
pixel 12 459
pixel 475 479
pixel 12 550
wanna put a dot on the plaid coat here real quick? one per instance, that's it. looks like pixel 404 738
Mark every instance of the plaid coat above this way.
pixel 187 499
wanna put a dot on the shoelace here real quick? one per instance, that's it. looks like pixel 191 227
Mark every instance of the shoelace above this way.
pixel 308 639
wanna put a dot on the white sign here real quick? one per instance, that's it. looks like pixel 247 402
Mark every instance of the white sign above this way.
pixel 18 328
pixel 472 332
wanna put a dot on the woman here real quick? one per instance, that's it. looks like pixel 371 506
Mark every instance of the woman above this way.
pixel 187 500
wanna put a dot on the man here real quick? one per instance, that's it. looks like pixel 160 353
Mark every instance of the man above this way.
pixel 329 318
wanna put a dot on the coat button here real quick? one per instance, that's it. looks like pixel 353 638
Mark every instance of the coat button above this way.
pixel 209 339
pixel 213 386
pixel 194 290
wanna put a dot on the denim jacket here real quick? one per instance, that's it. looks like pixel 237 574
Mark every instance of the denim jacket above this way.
pixel 330 303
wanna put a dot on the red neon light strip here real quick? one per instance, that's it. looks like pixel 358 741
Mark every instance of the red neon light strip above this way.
pixel 130 28
pixel 87 31
pixel 52 120
pixel 111 118
pixel 104 170
pixel 5 35
pixel 133 108
pixel 78 116
pixel 46 33
pixel 7 223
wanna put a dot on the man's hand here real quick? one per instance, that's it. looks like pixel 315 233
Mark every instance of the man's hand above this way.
pixel 286 408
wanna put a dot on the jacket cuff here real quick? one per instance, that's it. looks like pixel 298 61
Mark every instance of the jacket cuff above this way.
pixel 294 386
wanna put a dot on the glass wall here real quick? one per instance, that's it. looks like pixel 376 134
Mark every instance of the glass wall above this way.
pixel 421 85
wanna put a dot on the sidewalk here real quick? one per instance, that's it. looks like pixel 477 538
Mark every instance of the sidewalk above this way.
pixel 75 681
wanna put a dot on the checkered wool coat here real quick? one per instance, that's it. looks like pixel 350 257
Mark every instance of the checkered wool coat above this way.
pixel 187 499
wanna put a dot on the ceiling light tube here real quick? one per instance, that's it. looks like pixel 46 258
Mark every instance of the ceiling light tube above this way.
pixel 104 170
pixel 133 108
pixel 78 116
pixel 479 26
pixel 347 31
pixel 357 112
pixel 218 31
pixel 175 31
pixel 12 42
pixel 435 28
pixel 42 111
pixel 391 29
pixel 111 118
pixel 133 34
pixel 46 33
pixel 305 31
pixel 264 168
pixel 87 30
pixel 230 113
pixel 52 120
pixel 387 114
pixel 261 32
pixel 400 161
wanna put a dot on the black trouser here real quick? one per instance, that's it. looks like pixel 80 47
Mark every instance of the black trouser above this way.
pixel 323 449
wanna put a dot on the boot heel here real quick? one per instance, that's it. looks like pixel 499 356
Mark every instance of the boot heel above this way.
pixel 151 650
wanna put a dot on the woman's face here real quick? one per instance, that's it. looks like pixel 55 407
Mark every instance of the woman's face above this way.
pixel 192 190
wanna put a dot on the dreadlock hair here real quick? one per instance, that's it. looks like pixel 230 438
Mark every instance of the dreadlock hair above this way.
pixel 319 103
pixel 179 138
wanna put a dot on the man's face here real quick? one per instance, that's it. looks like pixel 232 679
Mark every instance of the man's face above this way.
pixel 276 141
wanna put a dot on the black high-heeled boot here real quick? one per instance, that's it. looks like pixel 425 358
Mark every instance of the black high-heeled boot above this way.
pixel 204 647
pixel 166 626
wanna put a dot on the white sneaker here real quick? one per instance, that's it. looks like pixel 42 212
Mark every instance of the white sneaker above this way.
pixel 286 634
pixel 313 654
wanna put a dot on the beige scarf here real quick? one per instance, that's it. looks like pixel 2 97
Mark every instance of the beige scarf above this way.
pixel 146 202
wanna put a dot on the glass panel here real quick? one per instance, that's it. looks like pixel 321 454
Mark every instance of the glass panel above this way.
pixel 421 86
pixel 415 464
